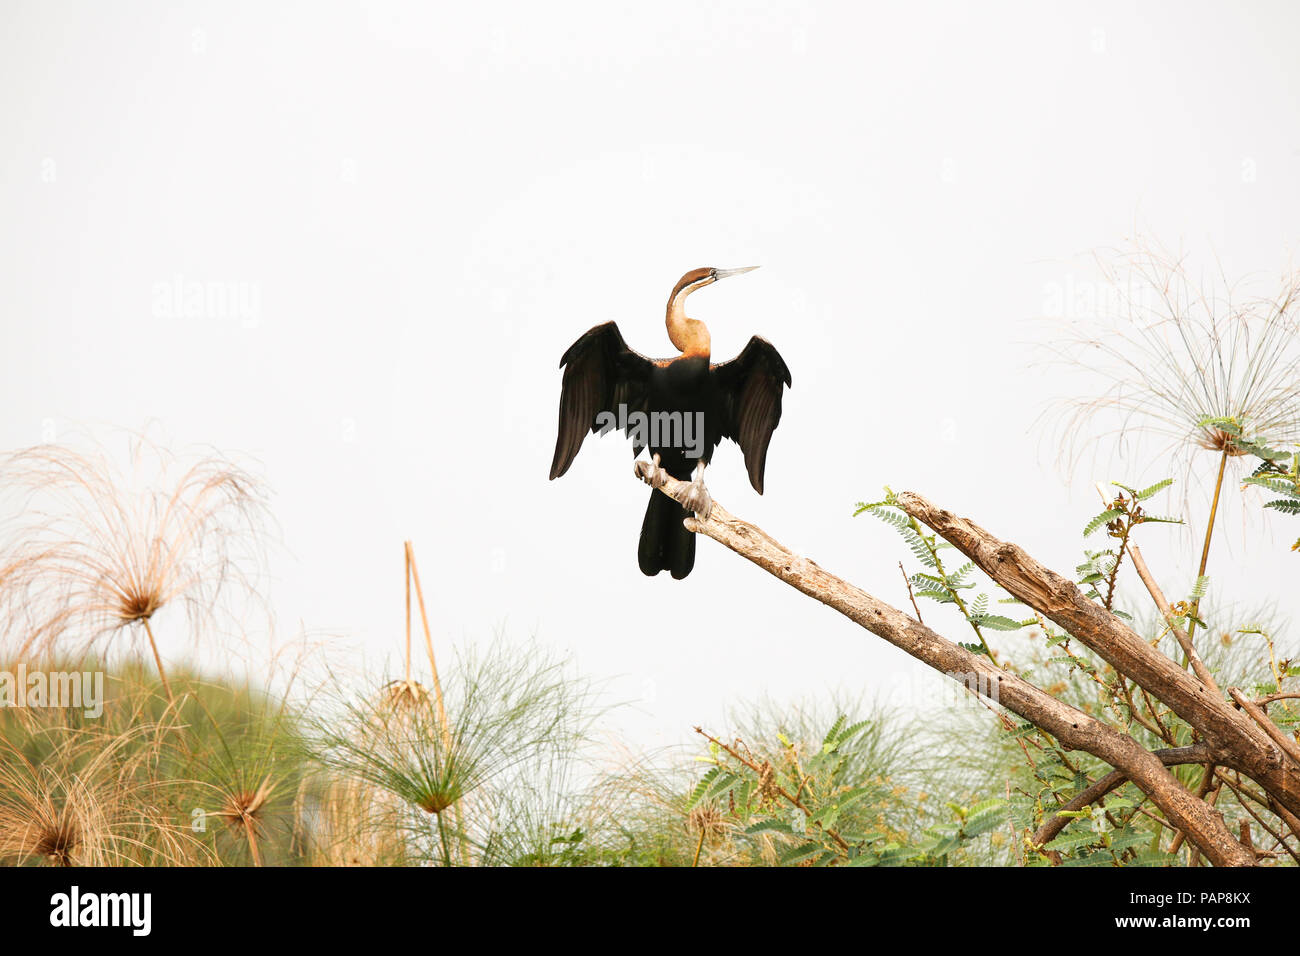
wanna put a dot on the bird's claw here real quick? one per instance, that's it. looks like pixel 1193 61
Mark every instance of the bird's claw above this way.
pixel 652 472
pixel 696 498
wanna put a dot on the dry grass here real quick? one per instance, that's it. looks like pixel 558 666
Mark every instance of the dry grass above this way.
pixel 90 799
pixel 96 552
pixel 1173 350
pixel 351 823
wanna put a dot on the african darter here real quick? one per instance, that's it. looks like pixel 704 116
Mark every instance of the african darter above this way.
pixel 605 381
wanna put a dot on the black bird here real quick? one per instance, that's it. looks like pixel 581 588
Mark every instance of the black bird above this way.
pixel 678 408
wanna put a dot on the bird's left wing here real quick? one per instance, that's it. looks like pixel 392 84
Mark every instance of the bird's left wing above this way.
pixel 750 399
pixel 600 373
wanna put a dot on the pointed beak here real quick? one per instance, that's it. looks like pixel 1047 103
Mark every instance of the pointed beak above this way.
pixel 724 273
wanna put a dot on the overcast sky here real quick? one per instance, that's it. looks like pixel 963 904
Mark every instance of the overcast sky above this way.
pixel 400 215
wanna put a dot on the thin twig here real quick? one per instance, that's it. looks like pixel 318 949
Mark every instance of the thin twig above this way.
pixel 1274 732
pixel 1289 695
pixel 1182 637
pixel 910 595
pixel 1245 791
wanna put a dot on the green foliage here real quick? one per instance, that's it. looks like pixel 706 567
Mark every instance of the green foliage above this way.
pixel 940 584
pixel 1276 479
pixel 1126 512
pixel 1240 442
pixel 1099 571
pixel 810 799
pixel 1026 769
pixel 511 726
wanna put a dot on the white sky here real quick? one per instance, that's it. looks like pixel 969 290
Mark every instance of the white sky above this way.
pixel 424 204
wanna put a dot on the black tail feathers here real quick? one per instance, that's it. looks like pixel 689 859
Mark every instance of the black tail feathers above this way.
pixel 665 545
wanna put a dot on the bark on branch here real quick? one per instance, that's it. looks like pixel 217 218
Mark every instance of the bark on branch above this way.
pixel 1074 729
pixel 1170 757
pixel 1237 741
pixel 1260 717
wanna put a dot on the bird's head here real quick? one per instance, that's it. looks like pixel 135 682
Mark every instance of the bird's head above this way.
pixel 690 335
pixel 699 278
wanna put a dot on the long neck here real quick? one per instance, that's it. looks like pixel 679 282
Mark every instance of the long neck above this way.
pixel 689 336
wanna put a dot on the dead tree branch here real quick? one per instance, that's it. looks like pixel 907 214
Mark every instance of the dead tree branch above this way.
pixel 1074 729
pixel 1170 757
pixel 1236 740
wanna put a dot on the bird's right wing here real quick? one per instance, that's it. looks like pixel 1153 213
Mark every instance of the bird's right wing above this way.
pixel 600 373
pixel 750 385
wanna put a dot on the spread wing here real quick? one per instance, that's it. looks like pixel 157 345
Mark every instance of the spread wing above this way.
pixel 749 388
pixel 600 373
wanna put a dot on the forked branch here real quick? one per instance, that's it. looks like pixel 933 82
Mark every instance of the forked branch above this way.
pixel 1237 741
pixel 1074 729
